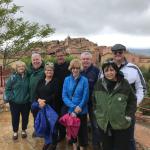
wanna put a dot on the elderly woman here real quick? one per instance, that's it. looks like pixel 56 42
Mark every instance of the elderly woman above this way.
pixel 75 96
pixel 47 93
pixel 17 93
pixel 115 108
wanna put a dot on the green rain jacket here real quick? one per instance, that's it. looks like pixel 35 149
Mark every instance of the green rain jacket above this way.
pixel 17 89
pixel 117 107
pixel 35 76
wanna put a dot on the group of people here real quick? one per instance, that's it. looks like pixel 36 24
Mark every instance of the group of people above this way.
pixel 108 96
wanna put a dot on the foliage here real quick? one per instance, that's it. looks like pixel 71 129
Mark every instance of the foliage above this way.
pixel 27 60
pixel 69 58
pixel 46 58
pixel 16 34
pixel 146 74
pixel 49 58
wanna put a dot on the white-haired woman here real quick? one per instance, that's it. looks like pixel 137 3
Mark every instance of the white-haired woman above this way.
pixel 47 92
pixel 17 93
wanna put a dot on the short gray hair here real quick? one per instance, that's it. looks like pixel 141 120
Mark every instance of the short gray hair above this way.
pixel 35 54
pixel 86 54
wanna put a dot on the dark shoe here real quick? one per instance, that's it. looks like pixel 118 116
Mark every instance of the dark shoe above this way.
pixel 51 147
pixel 60 138
pixel 45 147
pixel 23 134
pixel 15 136
pixel 34 134
pixel 97 147
pixel 84 148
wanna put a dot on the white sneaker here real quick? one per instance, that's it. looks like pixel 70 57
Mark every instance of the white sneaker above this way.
pixel 23 134
pixel 15 136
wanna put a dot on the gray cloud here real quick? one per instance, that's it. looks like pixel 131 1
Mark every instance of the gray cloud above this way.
pixel 85 17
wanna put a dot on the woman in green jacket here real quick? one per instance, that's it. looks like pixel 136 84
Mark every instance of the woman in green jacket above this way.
pixel 115 108
pixel 17 93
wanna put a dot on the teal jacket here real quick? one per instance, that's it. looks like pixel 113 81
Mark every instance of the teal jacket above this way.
pixel 117 107
pixel 17 89
pixel 35 76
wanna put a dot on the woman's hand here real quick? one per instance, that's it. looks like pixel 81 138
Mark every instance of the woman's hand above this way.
pixel 77 110
pixel 73 114
pixel 41 102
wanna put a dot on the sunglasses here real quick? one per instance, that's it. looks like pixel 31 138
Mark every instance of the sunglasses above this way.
pixel 117 52
pixel 75 68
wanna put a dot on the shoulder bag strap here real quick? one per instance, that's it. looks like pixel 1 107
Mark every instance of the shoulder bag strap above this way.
pixel 75 87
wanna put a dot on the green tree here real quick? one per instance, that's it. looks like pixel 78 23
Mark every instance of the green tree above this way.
pixel 16 34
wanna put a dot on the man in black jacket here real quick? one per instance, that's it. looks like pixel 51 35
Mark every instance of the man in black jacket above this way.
pixel 60 72
pixel 91 72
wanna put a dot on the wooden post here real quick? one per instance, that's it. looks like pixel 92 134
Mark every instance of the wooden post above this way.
pixel 1 75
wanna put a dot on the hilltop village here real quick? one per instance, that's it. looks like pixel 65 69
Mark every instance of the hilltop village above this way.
pixel 74 46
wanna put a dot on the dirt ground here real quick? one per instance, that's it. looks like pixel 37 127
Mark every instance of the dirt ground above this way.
pixel 142 135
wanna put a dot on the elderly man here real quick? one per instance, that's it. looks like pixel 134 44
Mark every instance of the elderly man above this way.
pixel 91 73
pixel 36 72
pixel 134 76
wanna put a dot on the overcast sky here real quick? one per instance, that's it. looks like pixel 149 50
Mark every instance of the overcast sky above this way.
pixel 105 22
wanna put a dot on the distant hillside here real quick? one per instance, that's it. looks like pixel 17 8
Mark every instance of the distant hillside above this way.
pixel 144 52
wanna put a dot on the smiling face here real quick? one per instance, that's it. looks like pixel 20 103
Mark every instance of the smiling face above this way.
pixel 110 73
pixel 75 67
pixel 60 57
pixel 20 68
pixel 36 61
pixel 86 60
pixel 49 72
pixel 118 55
pixel 75 71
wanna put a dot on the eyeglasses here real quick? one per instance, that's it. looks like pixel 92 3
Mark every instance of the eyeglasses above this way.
pixel 75 68
pixel 117 52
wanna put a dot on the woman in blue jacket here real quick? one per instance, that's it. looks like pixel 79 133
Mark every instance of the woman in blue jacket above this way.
pixel 75 96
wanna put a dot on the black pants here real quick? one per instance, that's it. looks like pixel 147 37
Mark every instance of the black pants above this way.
pixel 96 135
pixel 34 113
pixel 132 140
pixel 16 110
pixel 116 139
pixel 61 128
pixel 83 131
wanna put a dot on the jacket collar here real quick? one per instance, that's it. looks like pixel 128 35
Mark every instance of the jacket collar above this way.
pixel 76 78
pixel 116 88
pixel 31 69
pixel 88 69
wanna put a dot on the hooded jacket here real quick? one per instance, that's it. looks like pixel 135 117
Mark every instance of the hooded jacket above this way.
pixel 116 107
